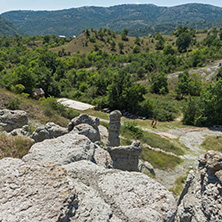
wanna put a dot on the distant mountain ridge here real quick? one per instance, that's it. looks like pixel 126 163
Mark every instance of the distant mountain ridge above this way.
pixel 7 28
pixel 138 19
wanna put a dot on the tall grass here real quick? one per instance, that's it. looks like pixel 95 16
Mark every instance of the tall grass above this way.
pixel 15 147
pixel 160 160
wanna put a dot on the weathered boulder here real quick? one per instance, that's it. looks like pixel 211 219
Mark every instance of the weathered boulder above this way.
pixel 103 134
pixel 62 150
pixel 201 199
pixel 86 125
pixel 145 167
pixel 114 127
pixel 24 131
pixel 103 158
pixel 12 119
pixel 38 189
pixel 131 196
pixel 88 131
pixel 35 192
pixel 49 131
pixel 126 157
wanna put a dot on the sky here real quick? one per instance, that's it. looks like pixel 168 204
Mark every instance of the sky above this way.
pixel 9 5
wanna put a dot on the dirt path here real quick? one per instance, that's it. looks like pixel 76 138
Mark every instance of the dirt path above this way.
pixel 207 72
pixel 192 139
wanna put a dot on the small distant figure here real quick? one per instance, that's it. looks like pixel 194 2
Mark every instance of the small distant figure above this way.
pixel 152 123
pixel 155 123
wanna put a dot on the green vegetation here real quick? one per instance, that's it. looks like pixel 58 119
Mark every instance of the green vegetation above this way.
pixel 179 185
pixel 142 19
pixel 212 143
pixel 130 130
pixel 205 110
pixel 160 160
pixel 115 74
pixel 7 28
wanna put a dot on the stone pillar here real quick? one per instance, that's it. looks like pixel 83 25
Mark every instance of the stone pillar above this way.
pixel 114 127
pixel 126 157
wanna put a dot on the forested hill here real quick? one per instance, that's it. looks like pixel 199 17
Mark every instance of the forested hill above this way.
pixel 138 19
pixel 7 28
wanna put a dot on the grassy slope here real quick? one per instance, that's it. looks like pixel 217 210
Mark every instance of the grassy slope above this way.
pixel 78 44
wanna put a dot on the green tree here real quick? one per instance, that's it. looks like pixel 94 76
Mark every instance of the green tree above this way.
pixel 137 41
pixel 160 45
pixel 159 84
pixel 183 86
pixel 136 49
pixel 113 45
pixel 123 94
pixel 121 47
pixel 183 41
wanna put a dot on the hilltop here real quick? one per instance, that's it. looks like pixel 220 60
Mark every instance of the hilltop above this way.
pixel 7 28
pixel 140 20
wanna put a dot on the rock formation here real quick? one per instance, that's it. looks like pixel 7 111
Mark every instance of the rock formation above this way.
pixel 35 192
pixel 12 119
pixel 145 167
pixel 49 131
pixel 126 157
pixel 114 127
pixel 201 199
pixel 79 191
pixel 70 178
pixel 62 150
pixel 24 131
pixel 86 125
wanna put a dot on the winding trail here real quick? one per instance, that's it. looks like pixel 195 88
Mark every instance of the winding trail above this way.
pixel 192 138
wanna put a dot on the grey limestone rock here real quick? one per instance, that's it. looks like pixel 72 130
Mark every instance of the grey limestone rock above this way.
pixel 86 125
pixel 62 150
pixel 88 131
pixel 145 167
pixel 35 192
pixel 126 157
pixel 131 196
pixel 103 158
pixel 114 127
pixel 49 131
pixel 12 119
pixel 57 181
pixel 201 199
pixel 24 131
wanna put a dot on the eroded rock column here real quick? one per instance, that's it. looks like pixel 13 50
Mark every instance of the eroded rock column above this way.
pixel 114 127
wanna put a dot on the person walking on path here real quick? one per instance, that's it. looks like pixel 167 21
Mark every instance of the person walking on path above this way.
pixel 152 123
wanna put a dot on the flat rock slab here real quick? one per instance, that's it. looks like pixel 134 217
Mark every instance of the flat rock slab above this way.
pixel 131 196
pixel 75 104
pixel 35 192
pixel 63 150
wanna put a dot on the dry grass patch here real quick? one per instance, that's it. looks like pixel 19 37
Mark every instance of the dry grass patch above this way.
pixel 15 147
pixel 212 143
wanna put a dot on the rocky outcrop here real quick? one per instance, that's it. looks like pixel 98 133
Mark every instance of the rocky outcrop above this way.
pixel 86 125
pixel 103 158
pixel 201 199
pixel 62 150
pixel 88 131
pixel 126 157
pixel 24 131
pixel 130 196
pixel 79 191
pixel 49 131
pixel 114 127
pixel 35 192
pixel 12 119
pixel 145 167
